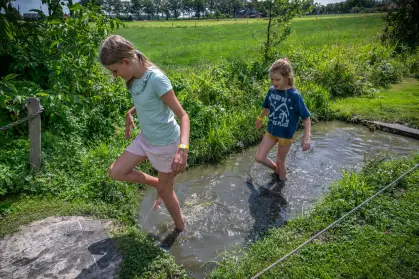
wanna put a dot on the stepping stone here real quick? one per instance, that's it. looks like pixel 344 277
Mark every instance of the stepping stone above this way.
pixel 398 129
pixel 59 247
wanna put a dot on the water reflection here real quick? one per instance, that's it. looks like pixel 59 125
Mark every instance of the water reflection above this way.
pixel 267 206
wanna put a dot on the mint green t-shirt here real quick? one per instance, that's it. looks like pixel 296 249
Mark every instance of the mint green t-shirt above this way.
pixel 156 119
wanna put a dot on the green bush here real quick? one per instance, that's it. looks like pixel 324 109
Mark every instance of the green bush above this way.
pixel 350 71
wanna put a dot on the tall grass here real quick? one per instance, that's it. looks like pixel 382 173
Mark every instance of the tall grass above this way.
pixel 187 46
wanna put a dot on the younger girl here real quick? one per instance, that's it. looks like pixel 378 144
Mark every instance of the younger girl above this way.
pixel 285 106
pixel 161 140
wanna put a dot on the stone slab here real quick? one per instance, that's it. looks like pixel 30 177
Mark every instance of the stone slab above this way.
pixel 59 247
pixel 397 128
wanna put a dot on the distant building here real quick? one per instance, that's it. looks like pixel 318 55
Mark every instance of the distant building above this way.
pixel 248 13
pixel 31 16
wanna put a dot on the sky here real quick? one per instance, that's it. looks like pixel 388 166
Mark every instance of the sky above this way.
pixel 26 5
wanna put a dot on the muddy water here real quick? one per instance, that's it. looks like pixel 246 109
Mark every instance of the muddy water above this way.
pixel 226 208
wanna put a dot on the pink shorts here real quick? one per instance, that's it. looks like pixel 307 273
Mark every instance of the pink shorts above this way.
pixel 160 156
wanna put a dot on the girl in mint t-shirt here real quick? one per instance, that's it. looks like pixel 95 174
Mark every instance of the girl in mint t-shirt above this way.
pixel 161 140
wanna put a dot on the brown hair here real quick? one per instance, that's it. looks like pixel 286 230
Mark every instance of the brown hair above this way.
pixel 115 48
pixel 283 67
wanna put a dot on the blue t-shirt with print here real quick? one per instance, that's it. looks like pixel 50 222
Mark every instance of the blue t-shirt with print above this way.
pixel 285 109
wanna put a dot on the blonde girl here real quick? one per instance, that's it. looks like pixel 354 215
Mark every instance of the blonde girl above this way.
pixel 284 106
pixel 161 140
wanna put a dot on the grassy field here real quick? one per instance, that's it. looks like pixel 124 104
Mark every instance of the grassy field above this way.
pixel 186 46
pixel 399 103
pixel 223 102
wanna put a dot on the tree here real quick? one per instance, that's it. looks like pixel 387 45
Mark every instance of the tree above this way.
pixel 280 13
pixel 85 3
pixel 165 8
pixel 236 5
pixel 117 7
pixel 199 8
pixel 10 12
pixel 137 7
pixel 157 7
pixel 149 8
pixel 401 23
pixel 174 6
pixel 126 8
pixel 107 6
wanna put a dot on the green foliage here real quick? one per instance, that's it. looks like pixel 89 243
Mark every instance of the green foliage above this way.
pixel 143 259
pixel 397 104
pixel 402 23
pixel 350 71
pixel 316 99
pixel 60 56
pixel 412 64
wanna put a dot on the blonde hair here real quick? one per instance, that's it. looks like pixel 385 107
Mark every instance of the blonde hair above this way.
pixel 116 48
pixel 283 66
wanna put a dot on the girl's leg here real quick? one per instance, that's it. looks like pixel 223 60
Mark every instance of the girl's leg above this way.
pixel 123 170
pixel 261 155
pixel 280 161
pixel 165 189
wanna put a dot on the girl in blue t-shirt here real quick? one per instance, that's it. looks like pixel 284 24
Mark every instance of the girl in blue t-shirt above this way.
pixel 161 140
pixel 285 107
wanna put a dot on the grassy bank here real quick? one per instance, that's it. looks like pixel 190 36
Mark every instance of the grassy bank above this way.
pixel 186 46
pixel 397 104
pixel 379 241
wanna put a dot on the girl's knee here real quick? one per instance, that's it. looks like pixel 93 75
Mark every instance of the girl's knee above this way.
pixel 164 191
pixel 113 172
pixel 259 158
pixel 165 184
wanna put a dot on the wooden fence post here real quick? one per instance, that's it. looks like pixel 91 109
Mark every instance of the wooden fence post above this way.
pixel 33 106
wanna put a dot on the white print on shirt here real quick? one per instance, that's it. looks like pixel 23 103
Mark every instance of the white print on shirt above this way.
pixel 279 103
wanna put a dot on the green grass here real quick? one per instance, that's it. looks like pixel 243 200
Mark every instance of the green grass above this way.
pixel 379 241
pixel 19 211
pixel 397 104
pixel 187 46
pixel 222 103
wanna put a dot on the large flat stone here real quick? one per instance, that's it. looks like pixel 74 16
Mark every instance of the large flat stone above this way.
pixel 59 247
pixel 398 129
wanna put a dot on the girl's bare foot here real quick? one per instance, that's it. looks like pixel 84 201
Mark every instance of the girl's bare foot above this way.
pixel 157 202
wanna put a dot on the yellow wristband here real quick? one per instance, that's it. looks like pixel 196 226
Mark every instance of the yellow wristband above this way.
pixel 183 146
pixel 260 118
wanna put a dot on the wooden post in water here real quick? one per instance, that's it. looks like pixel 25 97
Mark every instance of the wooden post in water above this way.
pixel 33 106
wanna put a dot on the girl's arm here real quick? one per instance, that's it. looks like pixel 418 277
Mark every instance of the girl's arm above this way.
pixel 129 122
pixel 259 119
pixel 132 111
pixel 179 162
pixel 305 143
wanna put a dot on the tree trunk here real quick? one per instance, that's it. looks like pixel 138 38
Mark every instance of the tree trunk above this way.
pixel 268 34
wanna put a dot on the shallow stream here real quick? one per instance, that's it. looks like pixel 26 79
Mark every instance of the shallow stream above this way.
pixel 225 207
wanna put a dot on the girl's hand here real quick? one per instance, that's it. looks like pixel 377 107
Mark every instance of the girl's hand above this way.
pixel 305 143
pixel 179 162
pixel 129 123
pixel 258 124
